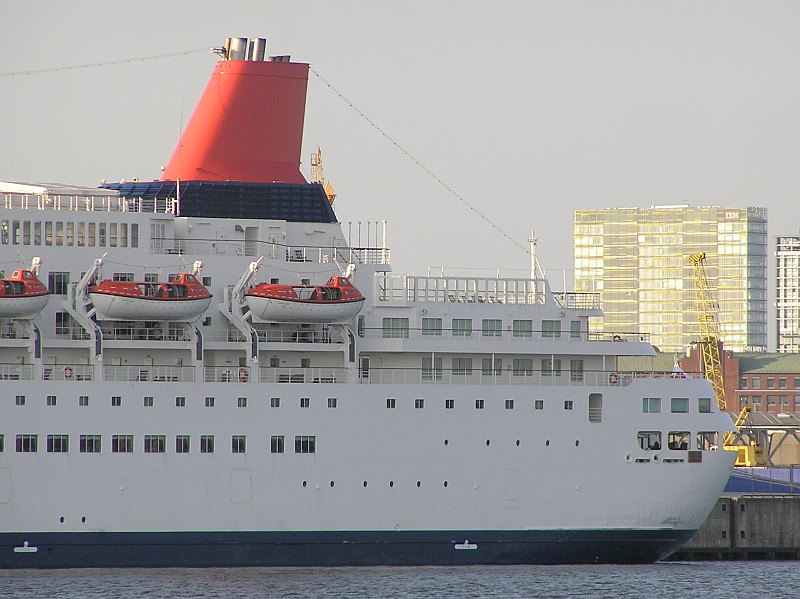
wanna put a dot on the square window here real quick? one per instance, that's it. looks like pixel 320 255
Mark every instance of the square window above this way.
pixel 238 443
pixel 241 402
pixel 122 444
pixel 509 404
pixel 206 443
pixel 305 444
pixel 155 443
pixel 522 328
pixel 449 404
pixel 651 405
pixel 275 402
pixel 491 327
pixel 432 326
pixel 51 400
pixel 332 402
pixel 180 402
pixel 20 400
pixel 461 327
pixel 391 402
pixel 395 328
pixel 551 328
pixel 568 404
pixel 679 405
pixel 461 366
pixel 479 404
pixel 116 400
pixel 276 444
pixel 90 444
pixel 419 403
pixel 538 404
pixel 83 400
pixel 182 443
pixel 57 443
pixel 148 401
pixel 522 367
pixel 209 402
pixel 704 405
pixel 305 402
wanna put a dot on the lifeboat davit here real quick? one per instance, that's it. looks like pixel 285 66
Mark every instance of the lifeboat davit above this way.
pixel 22 295
pixel 183 298
pixel 335 302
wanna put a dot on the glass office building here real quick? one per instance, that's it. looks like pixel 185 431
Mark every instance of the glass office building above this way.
pixel 638 260
pixel 787 294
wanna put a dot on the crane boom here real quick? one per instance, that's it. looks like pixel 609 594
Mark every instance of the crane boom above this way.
pixel 708 308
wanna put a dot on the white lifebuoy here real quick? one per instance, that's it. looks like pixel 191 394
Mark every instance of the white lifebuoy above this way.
pixel 243 374
pixel 68 373
pixel 613 378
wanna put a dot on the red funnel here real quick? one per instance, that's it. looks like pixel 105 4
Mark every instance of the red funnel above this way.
pixel 247 126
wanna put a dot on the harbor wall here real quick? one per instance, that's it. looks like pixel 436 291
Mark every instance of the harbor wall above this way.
pixel 745 527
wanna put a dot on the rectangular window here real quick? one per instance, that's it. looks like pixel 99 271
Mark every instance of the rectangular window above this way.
pixel 206 443
pixel 509 404
pixel 708 440
pixel 461 327
pixel 522 328
pixel 770 382
pixel 756 382
pixel 679 405
pixel 90 444
pixel 491 366
pixel 305 444
pixel 209 402
pixel 148 401
pixel 83 400
pixel 743 383
pixel 57 443
pixel 419 403
pixel 595 407
pixel 37 233
pixel 63 323
pixel 122 444
pixel 782 382
pixel 551 367
pixel 449 404
pixel 395 328
pixel 274 402
pixel 391 403
pixel 462 366
pixel 649 440
pixel 704 405
pixel 492 327
pixel 479 404
pixel 538 404
pixel 551 328
pixel 48 233
pixel 651 405
pixel 134 235
pixel 182 443
pixel 241 402
pixel 678 440
pixel 796 382
pixel 122 276
pixel 332 401
pixel 238 443
pixel 568 404
pixel 116 400
pixel 305 402
pixel 432 326
pixel 575 329
pixel 2 443
pixel 180 402
pixel 522 367
pixel 431 369
pixel 20 400
pixel 155 443
pixel 27 443
pixel 51 400
pixel 576 370
pixel 58 282
pixel 276 444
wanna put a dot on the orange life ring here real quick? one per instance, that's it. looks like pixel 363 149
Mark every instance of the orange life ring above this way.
pixel 243 375
pixel 613 378
pixel 68 373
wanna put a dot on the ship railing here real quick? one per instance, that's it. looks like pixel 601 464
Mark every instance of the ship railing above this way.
pixel 67 372
pixel 400 289
pixel 577 300
pixel 302 375
pixel 144 334
pixel 536 378
pixel 16 372
pixel 149 373
pixel 324 335
pixel 520 331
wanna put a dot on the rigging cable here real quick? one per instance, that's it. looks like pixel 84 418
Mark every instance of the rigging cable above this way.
pixel 428 171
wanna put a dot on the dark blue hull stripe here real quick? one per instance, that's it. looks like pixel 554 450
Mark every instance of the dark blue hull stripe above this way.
pixel 341 548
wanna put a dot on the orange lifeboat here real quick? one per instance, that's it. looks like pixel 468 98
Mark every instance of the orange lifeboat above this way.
pixel 335 302
pixel 22 295
pixel 183 298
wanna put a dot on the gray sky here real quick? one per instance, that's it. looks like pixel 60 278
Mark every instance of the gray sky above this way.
pixel 528 110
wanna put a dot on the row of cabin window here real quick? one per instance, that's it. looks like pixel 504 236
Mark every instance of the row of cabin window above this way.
pixel 677 405
pixel 29 443
pixel 69 234
pixel 58 281
pixel 678 440
pixel 275 402
pixel 490 327
pixel 432 367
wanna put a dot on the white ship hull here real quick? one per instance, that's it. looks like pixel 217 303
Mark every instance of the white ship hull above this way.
pixel 277 310
pixel 119 307
pixel 22 307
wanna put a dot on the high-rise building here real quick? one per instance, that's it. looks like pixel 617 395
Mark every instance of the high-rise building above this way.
pixel 638 260
pixel 787 294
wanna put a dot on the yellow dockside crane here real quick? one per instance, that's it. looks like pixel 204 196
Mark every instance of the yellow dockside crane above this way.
pixel 708 315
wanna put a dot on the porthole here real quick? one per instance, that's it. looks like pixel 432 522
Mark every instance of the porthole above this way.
pixel 446 441
pixel 445 484
pixel 419 483
pixel 488 442
pixel 332 483
pixel 577 442
pixel 517 443
pixel 391 483
pixel 547 443
pixel 305 483
pixel 365 483
pixel 83 519
pixel 61 519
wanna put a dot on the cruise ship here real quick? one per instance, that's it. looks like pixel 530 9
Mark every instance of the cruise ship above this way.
pixel 203 370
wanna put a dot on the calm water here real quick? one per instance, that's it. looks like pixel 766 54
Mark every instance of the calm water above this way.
pixel 664 580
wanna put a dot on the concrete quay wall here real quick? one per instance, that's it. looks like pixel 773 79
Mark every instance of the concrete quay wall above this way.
pixel 747 527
